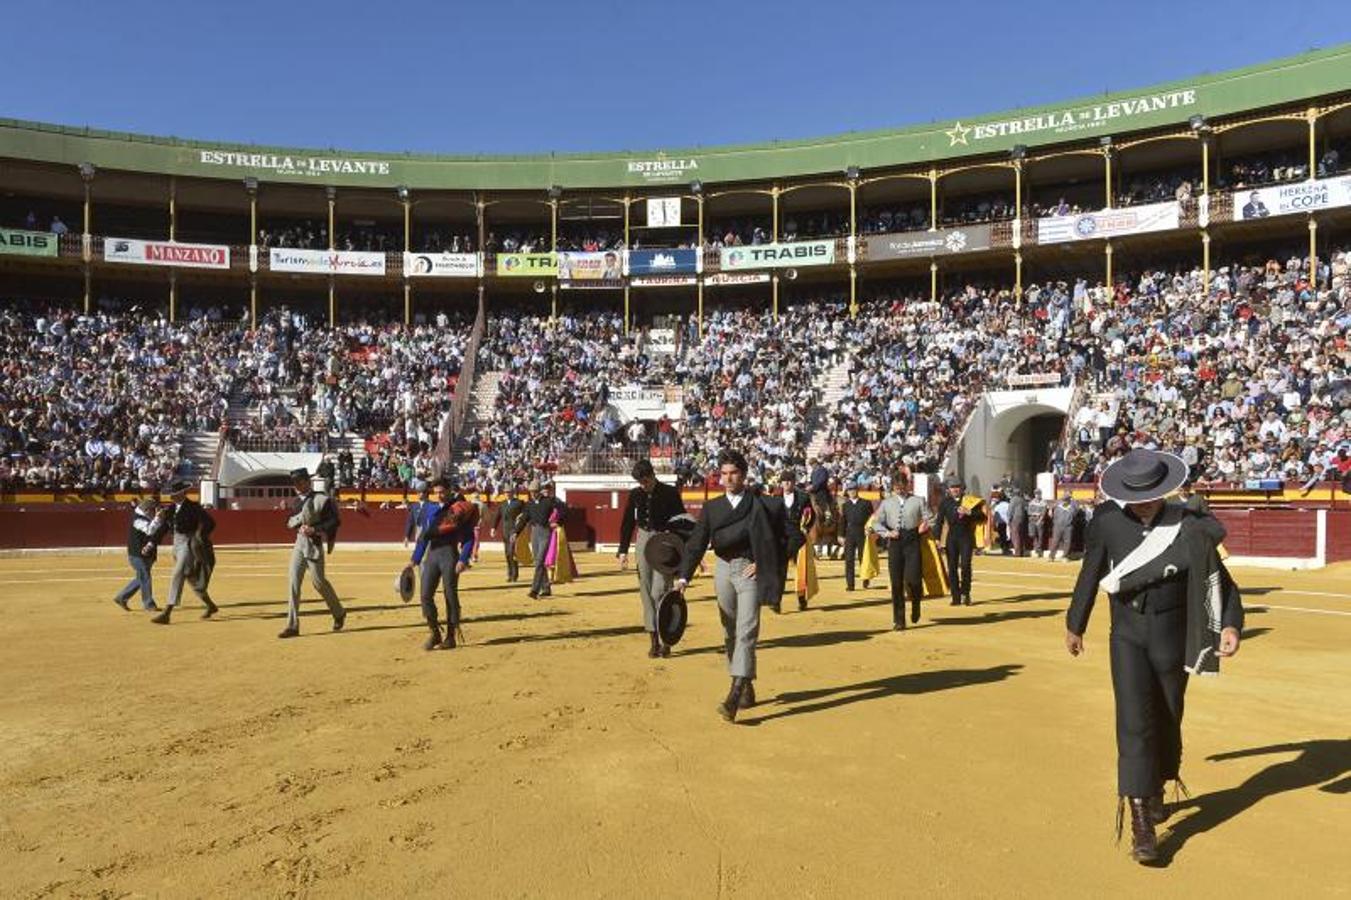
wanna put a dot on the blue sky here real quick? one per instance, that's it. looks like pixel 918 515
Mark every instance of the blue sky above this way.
pixel 533 77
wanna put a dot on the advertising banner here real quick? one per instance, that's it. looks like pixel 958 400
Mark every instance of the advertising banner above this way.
pixel 532 265
pixel 441 265
pixel 662 262
pixel 1284 199
pixel 778 256
pixel 28 243
pixel 930 243
pixel 166 253
pixel 729 278
pixel 663 280
pixel 607 265
pixel 326 262
pixel 1107 223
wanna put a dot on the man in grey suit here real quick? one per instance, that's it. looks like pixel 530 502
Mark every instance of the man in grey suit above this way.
pixel 1017 519
pixel 1062 528
pixel 537 515
pixel 314 520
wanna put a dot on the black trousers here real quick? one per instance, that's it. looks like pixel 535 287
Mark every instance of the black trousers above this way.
pixel 1148 682
pixel 903 566
pixel 513 566
pixel 959 567
pixel 853 554
pixel 438 566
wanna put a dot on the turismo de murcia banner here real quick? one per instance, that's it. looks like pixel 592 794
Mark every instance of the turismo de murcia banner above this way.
pixel 28 243
pixel 778 256
pixel 166 253
pixel 1107 223
pixel 441 265
pixel 326 262
pixel 929 243
pixel 1284 199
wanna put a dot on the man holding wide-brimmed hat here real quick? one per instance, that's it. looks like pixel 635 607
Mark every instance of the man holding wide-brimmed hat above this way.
pixel 651 507
pixel 1175 611
pixel 194 557
pixel 542 515
pixel 314 518
pixel 958 518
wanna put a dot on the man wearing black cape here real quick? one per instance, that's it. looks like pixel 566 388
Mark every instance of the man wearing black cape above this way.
pixel 1175 611
pixel 749 550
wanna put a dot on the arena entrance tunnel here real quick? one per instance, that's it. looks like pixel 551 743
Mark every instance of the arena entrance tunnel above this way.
pixel 1013 433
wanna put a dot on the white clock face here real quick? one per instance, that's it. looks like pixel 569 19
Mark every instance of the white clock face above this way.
pixel 663 212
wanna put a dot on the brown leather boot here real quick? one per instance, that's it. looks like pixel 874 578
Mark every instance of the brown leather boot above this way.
pixel 1144 843
pixel 747 696
pixel 728 708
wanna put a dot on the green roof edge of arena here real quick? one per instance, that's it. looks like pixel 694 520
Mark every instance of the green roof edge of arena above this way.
pixel 1281 82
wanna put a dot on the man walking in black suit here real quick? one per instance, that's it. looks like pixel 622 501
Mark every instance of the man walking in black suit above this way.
pixel 959 522
pixel 509 522
pixel 1175 611
pixel 194 557
pixel 796 520
pixel 542 514
pixel 854 516
pixel 651 507
pixel 738 528
pixel 899 520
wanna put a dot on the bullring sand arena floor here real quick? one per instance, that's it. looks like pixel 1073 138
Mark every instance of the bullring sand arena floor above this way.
pixel 967 757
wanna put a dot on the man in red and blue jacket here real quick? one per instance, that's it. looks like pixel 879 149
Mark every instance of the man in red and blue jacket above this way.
pixel 444 547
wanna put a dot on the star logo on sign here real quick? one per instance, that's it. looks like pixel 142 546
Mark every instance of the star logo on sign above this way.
pixel 957 134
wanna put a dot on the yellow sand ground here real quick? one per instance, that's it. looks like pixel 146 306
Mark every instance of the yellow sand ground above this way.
pixel 967 757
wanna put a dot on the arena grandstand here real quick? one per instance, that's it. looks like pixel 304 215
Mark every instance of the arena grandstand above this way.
pixel 1016 299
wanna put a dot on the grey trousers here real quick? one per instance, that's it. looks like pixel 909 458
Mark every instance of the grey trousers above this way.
pixel 1060 540
pixel 182 562
pixel 652 585
pixel 301 560
pixel 439 566
pixel 739 609
pixel 1036 534
pixel 539 545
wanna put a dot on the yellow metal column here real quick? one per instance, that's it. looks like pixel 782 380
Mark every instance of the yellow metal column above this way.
pixel 86 239
pixel 1107 254
pixel 626 308
pixel 332 302
pixel 1205 165
pixel 627 201
pixel 1313 141
pixel 407 301
pixel 1205 262
pixel 332 245
pixel 853 292
pixel 774 296
pixel 774 229
pixel 1313 253
pixel 479 205
pixel 553 224
pixel 553 300
pixel 88 289
pixel 173 295
pixel 253 301
pixel 173 208
pixel 933 281
pixel 1018 275
pixel 1107 158
pixel 699 284
pixel 933 199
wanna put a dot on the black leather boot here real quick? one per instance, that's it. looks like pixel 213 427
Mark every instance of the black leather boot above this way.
pixel 728 708
pixel 163 617
pixel 434 640
pixel 448 643
pixel 211 608
pixel 1144 843
pixel 747 696
pixel 654 650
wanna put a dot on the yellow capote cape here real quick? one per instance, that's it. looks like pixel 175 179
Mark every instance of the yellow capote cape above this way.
pixel 805 572
pixel 564 569
pixel 980 531
pixel 935 576
pixel 523 554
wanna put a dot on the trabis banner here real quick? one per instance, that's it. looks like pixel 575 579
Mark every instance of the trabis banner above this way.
pixel 778 256
pixel 28 243
pixel 166 253
pixel 534 265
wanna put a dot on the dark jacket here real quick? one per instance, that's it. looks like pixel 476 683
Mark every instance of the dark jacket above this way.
pixel 190 518
pixel 855 515
pixel 746 532
pixel 437 528
pixel 650 513
pixel 512 512
pixel 537 511
pixel 792 520
pixel 1112 534
pixel 143 531
pixel 961 530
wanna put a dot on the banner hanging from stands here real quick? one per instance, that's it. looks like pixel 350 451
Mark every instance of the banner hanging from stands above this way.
pixel 326 262
pixel 607 265
pixel 943 242
pixel 663 280
pixel 662 262
pixel 1108 223
pixel 778 256
pixel 533 265
pixel 728 278
pixel 28 243
pixel 441 265
pixel 1285 199
pixel 166 253
pixel 1035 379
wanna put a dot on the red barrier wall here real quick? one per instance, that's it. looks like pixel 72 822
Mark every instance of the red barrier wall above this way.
pixel 594 517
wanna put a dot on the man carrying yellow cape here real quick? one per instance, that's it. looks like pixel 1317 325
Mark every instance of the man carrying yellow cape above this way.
pixel 805 572
pixel 562 567
pixel 935 577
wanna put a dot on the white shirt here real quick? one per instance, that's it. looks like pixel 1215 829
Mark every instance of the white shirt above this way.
pixel 734 499
pixel 788 499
